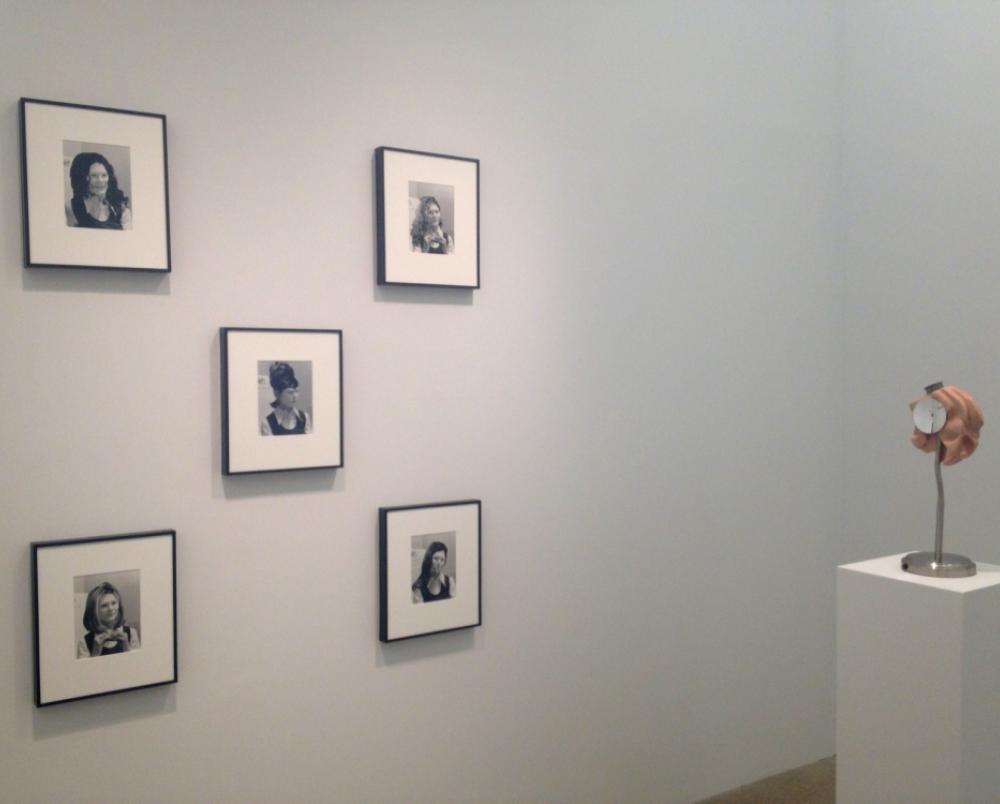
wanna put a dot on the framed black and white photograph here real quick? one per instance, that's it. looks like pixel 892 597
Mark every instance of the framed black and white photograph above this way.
pixel 105 615
pixel 282 399
pixel 94 187
pixel 430 568
pixel 427 218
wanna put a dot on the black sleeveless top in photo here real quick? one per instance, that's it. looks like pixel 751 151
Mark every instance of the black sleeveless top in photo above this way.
pixel 108 647
pixel 86 221
pixel 432 246
pixel 428 596
pixel 277 429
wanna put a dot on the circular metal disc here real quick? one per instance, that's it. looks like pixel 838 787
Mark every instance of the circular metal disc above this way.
pixel 929 415
pixel 951 565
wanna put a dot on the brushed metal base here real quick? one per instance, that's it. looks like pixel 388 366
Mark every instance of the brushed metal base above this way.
pixel 951 565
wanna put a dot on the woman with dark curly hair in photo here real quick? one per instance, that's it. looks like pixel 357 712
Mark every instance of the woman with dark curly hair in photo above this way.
pixel 433 584
pixel 286 418
pixel 104 619
pixel 97 202
pixel 426 234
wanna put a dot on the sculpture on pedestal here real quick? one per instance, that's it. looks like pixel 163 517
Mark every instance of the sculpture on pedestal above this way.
pixel 946 421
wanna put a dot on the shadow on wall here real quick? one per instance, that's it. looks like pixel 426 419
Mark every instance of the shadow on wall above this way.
pixel 388 654
pixel 94 280
pixel 96 713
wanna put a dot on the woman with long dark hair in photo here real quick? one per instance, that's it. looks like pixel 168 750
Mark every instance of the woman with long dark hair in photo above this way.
pixel 104 619
pixel 433 584
pixel 426 234
pixel 97 202
pixel 286 418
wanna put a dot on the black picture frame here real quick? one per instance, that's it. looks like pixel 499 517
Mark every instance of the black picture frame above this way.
pixel 60 568
pixel 312 363
pixel 408 607
pixel 448 257
pixel 58 232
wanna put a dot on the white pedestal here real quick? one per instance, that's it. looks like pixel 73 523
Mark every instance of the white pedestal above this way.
pixel 918 686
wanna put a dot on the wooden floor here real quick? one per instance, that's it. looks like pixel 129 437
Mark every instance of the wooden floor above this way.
pixel 810 784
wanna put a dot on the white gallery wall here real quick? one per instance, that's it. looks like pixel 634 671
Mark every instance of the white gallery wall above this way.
pixel 920 250
pixel 647 393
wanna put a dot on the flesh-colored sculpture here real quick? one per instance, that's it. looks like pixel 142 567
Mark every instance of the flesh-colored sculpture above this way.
pixel 960 435
pixel 947 421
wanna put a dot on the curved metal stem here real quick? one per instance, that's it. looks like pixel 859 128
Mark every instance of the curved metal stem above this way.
pixel 939 528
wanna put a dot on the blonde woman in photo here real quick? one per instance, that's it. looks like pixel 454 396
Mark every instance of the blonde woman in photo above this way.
pixel 104 619
pixel 426 234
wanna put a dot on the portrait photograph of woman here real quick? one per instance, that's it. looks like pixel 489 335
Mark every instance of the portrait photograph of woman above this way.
pixel 433 572
pixel 426 205
pixel 285 388
pixel 432 218
pixel 94 633
pixel 266 395
pixel 97 185
pixel 87 171
pixel 424 551
pixel 106 613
